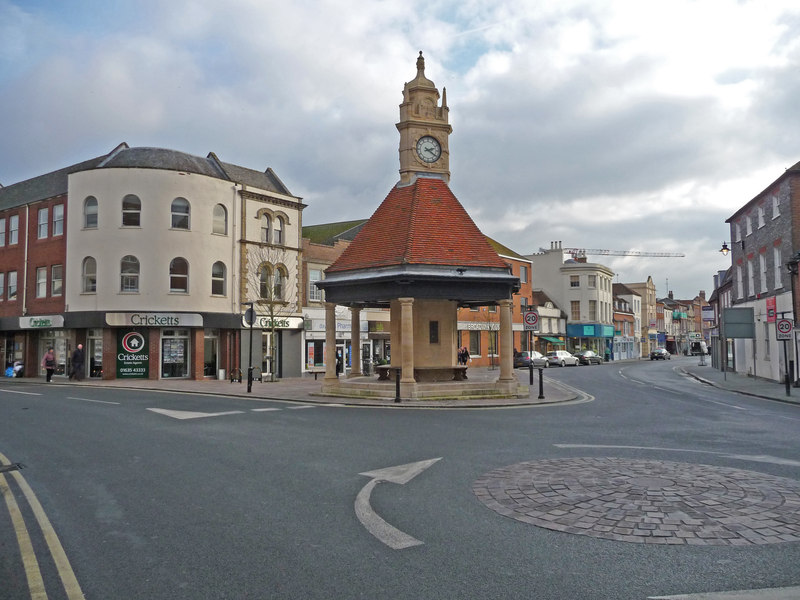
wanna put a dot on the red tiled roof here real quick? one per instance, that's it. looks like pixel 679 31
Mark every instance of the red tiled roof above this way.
pixel 423 224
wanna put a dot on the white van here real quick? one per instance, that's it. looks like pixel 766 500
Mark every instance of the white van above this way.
pixel 698 348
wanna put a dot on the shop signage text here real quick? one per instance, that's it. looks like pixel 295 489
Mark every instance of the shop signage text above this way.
pixel 154 319
pixel 263 322
pixel 133 356
pixel 41 322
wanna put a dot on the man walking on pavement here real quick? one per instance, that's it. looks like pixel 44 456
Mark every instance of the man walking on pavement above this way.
pixel 77 363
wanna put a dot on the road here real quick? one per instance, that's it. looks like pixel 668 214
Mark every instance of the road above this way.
pixel 213 497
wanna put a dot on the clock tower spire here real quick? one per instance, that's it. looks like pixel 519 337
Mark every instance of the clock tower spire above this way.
pixel 424 130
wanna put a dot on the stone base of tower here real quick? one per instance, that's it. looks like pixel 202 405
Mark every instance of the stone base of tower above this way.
pixel 369 387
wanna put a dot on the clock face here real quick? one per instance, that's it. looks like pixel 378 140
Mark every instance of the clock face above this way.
pixel 428 149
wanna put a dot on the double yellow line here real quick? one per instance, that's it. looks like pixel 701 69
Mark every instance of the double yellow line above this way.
pixel 29 561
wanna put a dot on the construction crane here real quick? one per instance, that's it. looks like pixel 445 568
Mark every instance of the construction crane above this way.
pixel 603 252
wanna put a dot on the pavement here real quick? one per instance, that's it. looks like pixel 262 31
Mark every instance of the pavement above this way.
pixel 307 388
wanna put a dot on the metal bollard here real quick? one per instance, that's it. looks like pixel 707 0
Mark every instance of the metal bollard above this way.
pixel 249 379
pixel 530 372
pixel 541 383
pixel 397 373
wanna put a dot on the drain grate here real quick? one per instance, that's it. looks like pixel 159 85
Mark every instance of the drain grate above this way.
pixel 11 467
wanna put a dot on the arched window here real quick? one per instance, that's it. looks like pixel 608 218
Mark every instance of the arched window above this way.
pixel 180 213
pixel 179 275
pixel 129 274
pixel 131 211
pixel 218 279
pixel 90 213
pixel 89 275
pixel 265 225
pixel 278 237
pixel 280 278
pixel 220 218
pixel 264 277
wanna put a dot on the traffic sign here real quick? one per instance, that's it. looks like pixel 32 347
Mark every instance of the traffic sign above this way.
pixel 531 318
pixel 784 329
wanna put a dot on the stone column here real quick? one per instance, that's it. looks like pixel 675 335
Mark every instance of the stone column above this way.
pixel 355 341
pixel 506 341
pixel 330 342
pixel 407 328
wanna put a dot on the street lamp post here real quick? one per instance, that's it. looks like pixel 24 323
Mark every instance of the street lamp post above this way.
pixel 792 266
pixel 250 317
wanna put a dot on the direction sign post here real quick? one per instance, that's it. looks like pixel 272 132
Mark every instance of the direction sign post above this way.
pixel 783 330
pixel 531 318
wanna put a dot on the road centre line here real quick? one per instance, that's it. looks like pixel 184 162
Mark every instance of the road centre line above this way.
pixel 91 400
pixel 65 572
pixel 18 392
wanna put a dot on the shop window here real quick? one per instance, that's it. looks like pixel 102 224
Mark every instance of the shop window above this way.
pixel 175 353
pixel 129 274
pixel 44 220
pixel 179 275
pixel 90 213
pixel 265 228
pixel 56 280
pixel 89 275
pixel 41 282
pixel 131 211
pixel 220 220
pixel 180 213
pixel 278 237
pixel 58 220
pixel 218 279
pixel 13 230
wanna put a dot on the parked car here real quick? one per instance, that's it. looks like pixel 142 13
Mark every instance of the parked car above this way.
pixel 562 358
pixel 660 354
pixel 589 357
pixel 524 358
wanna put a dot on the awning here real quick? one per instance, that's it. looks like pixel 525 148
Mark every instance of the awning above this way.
pixel 555 341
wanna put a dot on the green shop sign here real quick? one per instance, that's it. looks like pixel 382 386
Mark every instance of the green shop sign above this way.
pixel 133 355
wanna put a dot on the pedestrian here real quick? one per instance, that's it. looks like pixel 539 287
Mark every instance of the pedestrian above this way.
pixel 49 363
pixel 338 362
pixel 77 363
pixel 465 355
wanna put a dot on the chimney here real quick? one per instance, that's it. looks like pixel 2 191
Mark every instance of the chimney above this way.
pixel 669 295
pixel 703 294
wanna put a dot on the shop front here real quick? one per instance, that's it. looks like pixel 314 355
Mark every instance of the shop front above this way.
pixel 315 346
pixel 272 346
pixel 595 336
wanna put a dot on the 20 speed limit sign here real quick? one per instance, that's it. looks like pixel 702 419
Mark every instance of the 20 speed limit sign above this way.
pixel 531 319
pixel 784 329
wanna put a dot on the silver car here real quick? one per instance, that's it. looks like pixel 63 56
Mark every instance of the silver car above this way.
pixel 562 358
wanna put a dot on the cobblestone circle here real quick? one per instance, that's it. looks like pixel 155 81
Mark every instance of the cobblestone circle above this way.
pixel 646 501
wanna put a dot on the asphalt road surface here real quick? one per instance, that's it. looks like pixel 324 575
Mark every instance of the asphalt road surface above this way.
pixel 658 486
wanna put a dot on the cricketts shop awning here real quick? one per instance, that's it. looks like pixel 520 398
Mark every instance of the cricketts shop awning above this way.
pixel 555 341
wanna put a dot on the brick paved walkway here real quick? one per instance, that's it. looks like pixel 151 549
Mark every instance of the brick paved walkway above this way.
pixel 646 501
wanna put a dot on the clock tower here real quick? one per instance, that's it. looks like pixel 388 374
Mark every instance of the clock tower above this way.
pixel 424 130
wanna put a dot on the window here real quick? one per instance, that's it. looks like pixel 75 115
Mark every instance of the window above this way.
pixel 90 213
pixel 523 303
pixel 475 343
pixel 2 286
pixel 748 225
pixel 129 274
pixel 41 282
pixel 492 343
pixel 593 310
pixel 180 213
pixel 574 281
pixel 131 211
pixel 777 261
pixel 218 279
pixel 278 237
pixel 739 282
pixel 44 219
pixel 751 287
pixel 264 277
pixel 433 332
pixel 13 229
pixel 314 293
pixel 575 310
pixel 280 277
pixel 89 275
pixel 738 233
pixel 776 207
pixel 760 217
pixel 762 271
pixel 2 233
pixel 592 283
pixel 523 274
pixel 56 280
pixel 12 285
pixel 220 220
pixel 58 219
pixel 265 225
pixel 179 275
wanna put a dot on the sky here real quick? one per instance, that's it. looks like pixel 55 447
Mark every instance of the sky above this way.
pixel 610 124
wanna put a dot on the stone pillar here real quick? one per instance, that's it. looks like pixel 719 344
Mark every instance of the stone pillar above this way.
pixel 506 341
pixel 407 328
pixel 330 341
pixel 355 341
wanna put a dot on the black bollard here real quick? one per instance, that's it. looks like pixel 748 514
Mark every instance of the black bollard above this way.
pixel 530 372
pixel 397 372
pixel 249 379
pixel 541 383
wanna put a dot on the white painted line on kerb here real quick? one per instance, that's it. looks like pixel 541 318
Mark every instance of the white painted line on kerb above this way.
pixel 264 409
pixel 90 400
pixel 18 392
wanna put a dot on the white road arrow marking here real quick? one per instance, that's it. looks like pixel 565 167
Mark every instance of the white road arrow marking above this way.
pixel 185 414
pixel 402 474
